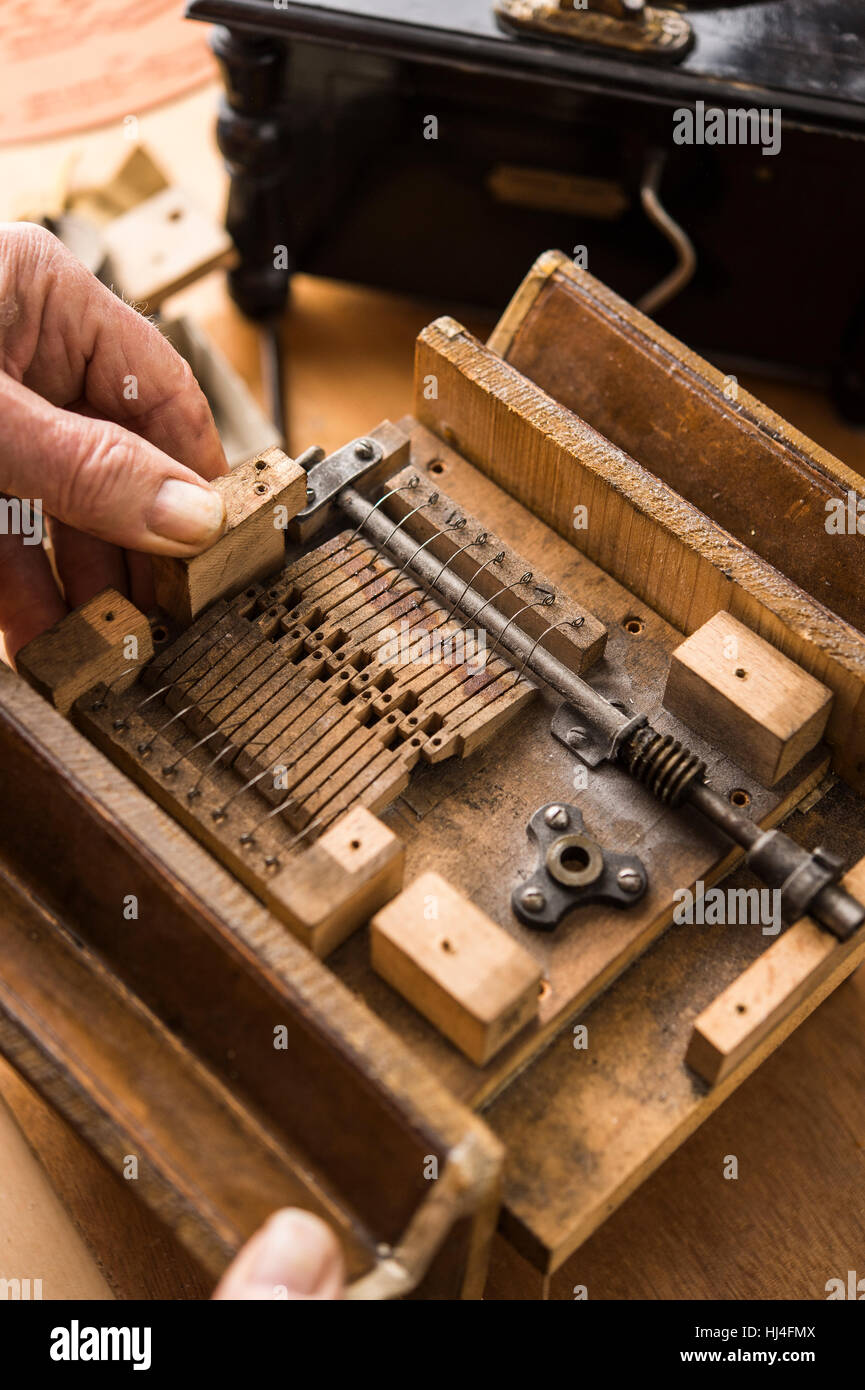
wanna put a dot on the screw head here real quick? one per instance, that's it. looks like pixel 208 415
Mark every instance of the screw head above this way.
pixel 556 817
pixel 310 494
pixel 575 737
pixel 533 900
pixel 629 880
pixel 364 449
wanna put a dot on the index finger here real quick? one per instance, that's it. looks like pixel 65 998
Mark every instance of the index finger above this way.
pixel 75 343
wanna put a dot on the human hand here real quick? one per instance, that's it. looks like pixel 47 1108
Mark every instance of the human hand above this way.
pixel 104 424
pixel 294 1256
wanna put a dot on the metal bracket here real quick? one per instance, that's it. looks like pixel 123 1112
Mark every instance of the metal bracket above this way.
pixel 569 727
pixel 630 26
pixel 573 870
pixel 385 449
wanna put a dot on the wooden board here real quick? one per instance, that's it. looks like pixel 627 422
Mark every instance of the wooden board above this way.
pixel 584 1128
pixel 662 548
pixel 694 427
pixel 107 848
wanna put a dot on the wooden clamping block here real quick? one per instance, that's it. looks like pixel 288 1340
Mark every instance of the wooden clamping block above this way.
pixel 339 882
pixel 261 496
pixel 744 696
pixel 465 974
pixel 98 642
pixel 787 981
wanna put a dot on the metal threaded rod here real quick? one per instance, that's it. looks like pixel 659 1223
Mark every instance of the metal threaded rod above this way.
pixel 670 771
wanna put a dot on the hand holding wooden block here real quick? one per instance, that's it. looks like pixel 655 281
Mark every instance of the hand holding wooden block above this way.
pixel 260 497
pixel 745 697
pixel 461 971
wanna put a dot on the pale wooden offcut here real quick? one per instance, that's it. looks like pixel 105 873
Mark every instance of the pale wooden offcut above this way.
pixel 253 544
pixel 104 641
pixel 770 989
pixel 464 973
pixel 741 693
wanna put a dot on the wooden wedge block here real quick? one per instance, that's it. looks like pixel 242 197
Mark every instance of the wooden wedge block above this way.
pixel 744 696
pixel 260 497
pixel 339 882
pixel 105 640
pixel 796 968
pixel 465 974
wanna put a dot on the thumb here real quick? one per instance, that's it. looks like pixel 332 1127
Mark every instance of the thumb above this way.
pixel 294 1256
pixel 102 479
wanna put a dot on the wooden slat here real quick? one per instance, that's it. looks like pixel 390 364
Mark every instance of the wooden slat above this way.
pixel 789 971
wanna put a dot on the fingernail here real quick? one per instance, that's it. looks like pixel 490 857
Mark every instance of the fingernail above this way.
pixel 295 1250
pixel 187 513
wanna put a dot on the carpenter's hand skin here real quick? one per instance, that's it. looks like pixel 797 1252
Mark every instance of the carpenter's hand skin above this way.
pixel 294 1256
pixel 103 423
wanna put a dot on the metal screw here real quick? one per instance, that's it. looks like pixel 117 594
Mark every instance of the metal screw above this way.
pixel 364 449
pixel 556 817
pixel 629 880
pixel 533 900
pixel 574 737
pixel 310 494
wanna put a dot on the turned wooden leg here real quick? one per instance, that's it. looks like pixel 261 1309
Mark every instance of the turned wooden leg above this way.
pixel 255 144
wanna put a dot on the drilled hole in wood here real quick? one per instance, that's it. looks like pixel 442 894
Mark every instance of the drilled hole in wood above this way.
pixel 633 625
pixel 436 466
pixel 543 989
pixel 448 946
pixel 741 673
pixel 159 634
pixel 355 844
pixel 259 465
pixel 741 1008
pixel 260 488
pixel 109 617
pixel 740 797
pixel 175 215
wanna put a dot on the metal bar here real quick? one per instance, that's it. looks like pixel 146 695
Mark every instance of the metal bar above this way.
pixel 669 770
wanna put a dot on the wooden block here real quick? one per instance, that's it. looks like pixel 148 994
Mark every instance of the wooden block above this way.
pixel 461 971
pixel 794 967
pixel 260 497
pixel 339 882
pixel 160 245
pixel 745 697
pixel 96 643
